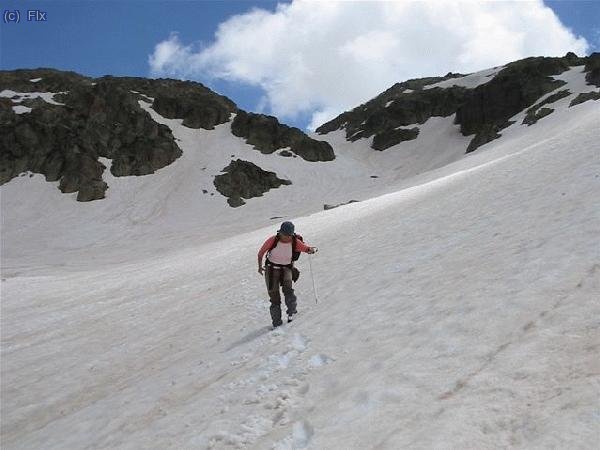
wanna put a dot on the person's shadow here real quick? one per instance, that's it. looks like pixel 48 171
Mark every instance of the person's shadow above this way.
pixel 248 338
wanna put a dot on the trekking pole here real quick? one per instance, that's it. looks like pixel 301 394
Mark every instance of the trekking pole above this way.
pixel 313 277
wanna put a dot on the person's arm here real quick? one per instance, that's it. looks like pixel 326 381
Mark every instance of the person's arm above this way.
pixel 302 247
pixel 267 244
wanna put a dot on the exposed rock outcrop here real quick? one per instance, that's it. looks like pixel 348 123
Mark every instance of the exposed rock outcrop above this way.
pixel 389 138
pixel 592 69
pixel 481 112
pixel 584 97
pixel 382 116
pixel 534 115
pixel 536 112
pixel 63 142
pixel 352 120
pixel 244 179
pixel 327 206
pixel 516 87
pixel 266 134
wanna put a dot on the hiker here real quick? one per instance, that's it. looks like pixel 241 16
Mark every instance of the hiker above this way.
pixel 282 250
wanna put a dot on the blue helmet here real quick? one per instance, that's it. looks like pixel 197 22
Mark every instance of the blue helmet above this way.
pixel 286 228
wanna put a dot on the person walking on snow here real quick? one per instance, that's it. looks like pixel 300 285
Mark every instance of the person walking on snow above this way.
pixel 282 250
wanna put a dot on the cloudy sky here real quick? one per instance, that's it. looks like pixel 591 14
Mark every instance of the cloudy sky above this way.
pixel 302 61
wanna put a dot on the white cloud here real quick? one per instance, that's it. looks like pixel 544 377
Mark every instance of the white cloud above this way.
pixel 324 57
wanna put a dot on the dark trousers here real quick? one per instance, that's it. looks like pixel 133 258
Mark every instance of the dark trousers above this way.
pixel 274 277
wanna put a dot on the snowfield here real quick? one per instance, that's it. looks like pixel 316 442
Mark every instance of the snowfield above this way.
pixel 458 305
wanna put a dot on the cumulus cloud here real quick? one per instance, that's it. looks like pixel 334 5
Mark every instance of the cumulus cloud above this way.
pixel 324 57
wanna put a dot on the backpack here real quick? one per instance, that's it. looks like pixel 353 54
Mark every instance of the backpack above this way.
pixel 295 254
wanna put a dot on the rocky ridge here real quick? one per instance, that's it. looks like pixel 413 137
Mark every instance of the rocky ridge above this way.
pixel 59 124
pixel 482 111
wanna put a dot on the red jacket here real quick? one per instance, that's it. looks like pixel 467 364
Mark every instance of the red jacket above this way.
pixel 300 247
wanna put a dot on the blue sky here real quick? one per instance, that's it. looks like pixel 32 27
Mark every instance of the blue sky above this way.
pixel 96 38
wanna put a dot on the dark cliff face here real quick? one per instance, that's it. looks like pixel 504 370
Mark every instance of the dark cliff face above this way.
pixel 592 69
pixel 488 107
pixel 268 135
pixel 52 80
pixel 63 142
pixel 243 179
pixel 197 105
pixel 406 108
pixel 102 117
pixel 483 111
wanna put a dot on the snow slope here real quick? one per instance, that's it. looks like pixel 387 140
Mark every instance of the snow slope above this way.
pixel 439 143
pixel 156 213
pixel 459 310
